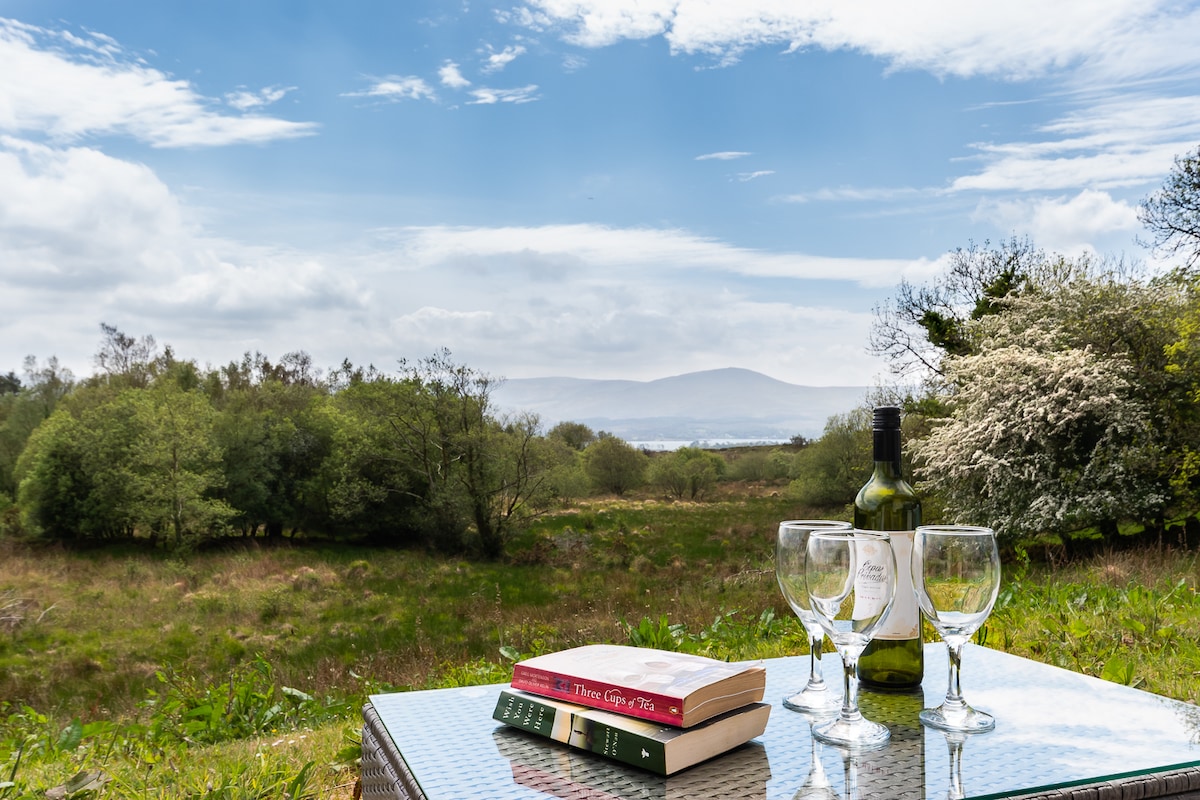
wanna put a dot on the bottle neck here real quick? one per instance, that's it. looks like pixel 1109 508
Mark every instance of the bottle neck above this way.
pixel 887 451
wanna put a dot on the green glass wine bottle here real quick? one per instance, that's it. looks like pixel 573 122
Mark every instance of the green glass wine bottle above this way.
pixel 894 660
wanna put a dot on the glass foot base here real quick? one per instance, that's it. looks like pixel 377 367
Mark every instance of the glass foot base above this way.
pixel 813 700
pixel 859 734
pixel 960 720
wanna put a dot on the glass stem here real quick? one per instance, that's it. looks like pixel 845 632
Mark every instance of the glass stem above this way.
pixel 954 699
pixel 850 712
pixel 815 679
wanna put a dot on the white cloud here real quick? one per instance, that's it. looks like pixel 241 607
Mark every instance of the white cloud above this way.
pixel 243 99
pixel 86 237
pixel 452 77
pixel 689 333
pixel 488 96
pixel 749 176
pixel 1113 142
pixel 609 249
pixel 724 155
pixel 516 301
pixel 1063 224
pixel 599 23
pixel 573 62
pixel 67 87
pixel 394 88
pixel 857 194
pixel 1108 39
pixel 498 61
pixel 77 220
pixel 254 284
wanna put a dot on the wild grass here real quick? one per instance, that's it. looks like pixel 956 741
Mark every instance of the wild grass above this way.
pixel 240 673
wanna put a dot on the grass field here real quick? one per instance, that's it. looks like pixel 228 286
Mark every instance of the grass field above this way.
pixel 240 673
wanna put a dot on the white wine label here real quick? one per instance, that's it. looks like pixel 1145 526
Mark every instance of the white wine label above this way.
pixel 870 580
pixel 904 620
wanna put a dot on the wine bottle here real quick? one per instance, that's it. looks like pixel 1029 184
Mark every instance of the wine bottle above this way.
pixel 894 659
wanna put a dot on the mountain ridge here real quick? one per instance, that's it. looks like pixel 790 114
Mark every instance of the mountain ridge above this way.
pixel 728 403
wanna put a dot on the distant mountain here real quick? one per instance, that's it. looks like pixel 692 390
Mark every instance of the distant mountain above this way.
pixel 699 406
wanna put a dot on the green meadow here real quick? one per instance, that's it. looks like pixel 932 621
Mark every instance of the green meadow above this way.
pixel 239 672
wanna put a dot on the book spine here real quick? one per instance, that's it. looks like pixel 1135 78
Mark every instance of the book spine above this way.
pixel 576 730
pixel 598 694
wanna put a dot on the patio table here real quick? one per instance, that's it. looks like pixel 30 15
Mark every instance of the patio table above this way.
pixel 1059 735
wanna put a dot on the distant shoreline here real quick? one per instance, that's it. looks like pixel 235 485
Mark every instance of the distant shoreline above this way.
pixel 668 445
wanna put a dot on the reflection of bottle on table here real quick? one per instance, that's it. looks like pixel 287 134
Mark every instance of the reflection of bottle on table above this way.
pixel 897 772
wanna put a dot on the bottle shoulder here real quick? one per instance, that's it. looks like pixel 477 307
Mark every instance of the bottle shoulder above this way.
pixel 878 491
pixel 889 504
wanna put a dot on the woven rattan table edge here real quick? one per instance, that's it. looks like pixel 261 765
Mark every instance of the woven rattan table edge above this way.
pixel 1180 784
pixel 384 773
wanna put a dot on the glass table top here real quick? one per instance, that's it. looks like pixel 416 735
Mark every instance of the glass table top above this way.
pixel 1054 729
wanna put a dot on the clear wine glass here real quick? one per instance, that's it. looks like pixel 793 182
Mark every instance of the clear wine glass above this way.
pixel 851 580
pixel 956 575
pixel 791 549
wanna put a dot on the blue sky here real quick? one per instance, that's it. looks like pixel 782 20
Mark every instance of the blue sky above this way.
pixel 585 188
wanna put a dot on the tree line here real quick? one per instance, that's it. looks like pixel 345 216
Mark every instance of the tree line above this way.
pixel 154 447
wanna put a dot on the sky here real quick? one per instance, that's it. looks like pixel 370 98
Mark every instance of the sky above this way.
pixel 627 189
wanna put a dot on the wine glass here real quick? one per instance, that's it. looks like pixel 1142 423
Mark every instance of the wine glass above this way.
pixel 791 548
pixel 956 575
pixel 851 580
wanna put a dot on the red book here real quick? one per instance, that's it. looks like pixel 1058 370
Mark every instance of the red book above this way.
pixel 673 688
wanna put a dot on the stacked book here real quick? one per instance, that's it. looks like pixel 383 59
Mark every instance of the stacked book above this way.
pixel 655 709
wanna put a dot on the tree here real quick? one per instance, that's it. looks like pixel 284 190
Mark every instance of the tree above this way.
pixel 1183 363
pixel 10 383
pixel 48 384
pixel 115 464
pixel 1039 441
pixel 124 359
pixel 1065 416
pixel 830 471
pixel 687 472
pixel 368 486
pixel 613 465
pixel 53 481
pixel 1172 214
pixel 20 414
pixel 465 469
pixel 922 324
pixel 761 465
pixel 575 435
pixel 176 465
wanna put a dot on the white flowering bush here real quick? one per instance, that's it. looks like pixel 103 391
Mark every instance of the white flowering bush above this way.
pixel 1062 417
pixel 1040 442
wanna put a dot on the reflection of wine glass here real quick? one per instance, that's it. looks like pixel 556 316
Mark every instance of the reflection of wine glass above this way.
pixel 954 745
pixel 791 548
pixel 817 785
pixel 956 575
pixel 851 580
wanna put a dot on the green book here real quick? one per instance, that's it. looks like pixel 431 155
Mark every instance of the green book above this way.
pixel 659 748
